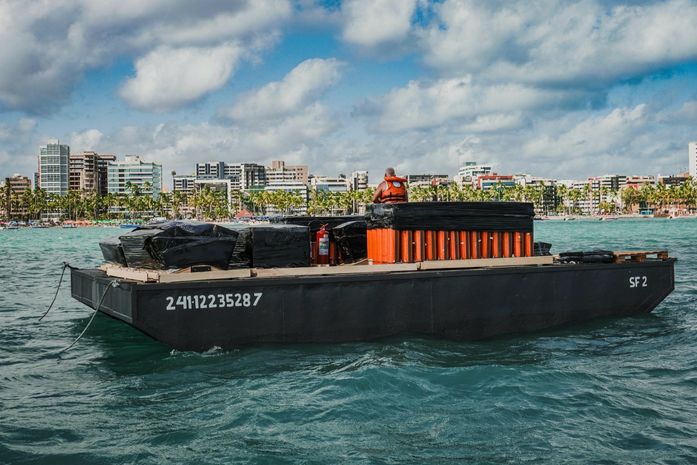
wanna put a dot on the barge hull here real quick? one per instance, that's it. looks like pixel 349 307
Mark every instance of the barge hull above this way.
pixel 460 304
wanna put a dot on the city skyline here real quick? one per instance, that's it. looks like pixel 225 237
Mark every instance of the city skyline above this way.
pixel 556 90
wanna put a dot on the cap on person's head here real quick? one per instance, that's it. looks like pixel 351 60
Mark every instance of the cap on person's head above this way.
pixel 389 172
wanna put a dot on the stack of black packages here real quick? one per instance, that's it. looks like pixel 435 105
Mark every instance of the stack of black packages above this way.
pixel 272 246
pixel 592 256
pixel 180 244
pixel 467 216
pixel 174 244
pixel 347 232
pixel 350 238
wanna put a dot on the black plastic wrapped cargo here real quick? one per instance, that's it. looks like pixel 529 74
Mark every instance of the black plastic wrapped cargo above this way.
pixel 174 244
pixel 470 216
pixel 112 251
pixel 350 238
pixel 272 246
pixel 592 256
pixel 316 222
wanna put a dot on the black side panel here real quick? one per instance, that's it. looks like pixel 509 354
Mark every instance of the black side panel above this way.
pixel 88 286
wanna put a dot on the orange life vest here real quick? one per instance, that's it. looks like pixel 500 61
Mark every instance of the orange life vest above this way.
pixel 396 190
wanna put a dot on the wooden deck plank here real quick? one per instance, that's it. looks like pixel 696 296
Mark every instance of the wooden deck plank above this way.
pixel 486 262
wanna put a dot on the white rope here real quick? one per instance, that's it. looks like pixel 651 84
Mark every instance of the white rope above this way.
pixel 113 283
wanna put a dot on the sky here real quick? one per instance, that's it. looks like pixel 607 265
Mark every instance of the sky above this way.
pixel 550 88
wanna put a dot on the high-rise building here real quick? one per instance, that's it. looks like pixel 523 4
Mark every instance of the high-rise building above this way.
pixel 242 176
pixel 210 170
pixel 359 180
pixel 183 183
pixel 415 180
pixel 470 171
pixel 88 172
pixel 329 184
pixel 54 167
pixel 18 183
pixel 281 173
pixel 134 171
pixel 692 152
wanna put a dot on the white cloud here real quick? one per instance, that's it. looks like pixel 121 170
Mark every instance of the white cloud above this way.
pixel 596 135
pixel 168 78
pixel 370 23
pixel 422 105
pixel 48 46
pixel 583 43
pixel 302 84
pixel 86 140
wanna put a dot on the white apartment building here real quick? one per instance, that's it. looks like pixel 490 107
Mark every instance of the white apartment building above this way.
pixel 137 172
pixel 54 167
pixel 358 181
pixel 470 171
pixel 329 184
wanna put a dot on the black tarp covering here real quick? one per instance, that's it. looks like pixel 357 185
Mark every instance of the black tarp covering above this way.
pixel 541 249
pixel 469 216
pixel 279 246
pixel 350 238
pixel 316 222
pixel 178 244
pixel 112 251
pixel 592 256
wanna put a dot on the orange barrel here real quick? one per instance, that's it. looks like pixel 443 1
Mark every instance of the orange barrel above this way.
pixel 382 245
pixel 484 237
pixel 474 244
pixel 440 240
pixel 419 251
pixel 393 242
pixel 495 244
pixel 464 242
pixel 405 246
pixel 453 243
pixel 428 245
pixel 528 244
pixel 506 244
pixel 371 243
pixel 517 241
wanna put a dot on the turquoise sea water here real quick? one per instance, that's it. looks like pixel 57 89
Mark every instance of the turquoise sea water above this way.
pixel 613 391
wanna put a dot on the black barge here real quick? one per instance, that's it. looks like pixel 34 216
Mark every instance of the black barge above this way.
pixel 461 304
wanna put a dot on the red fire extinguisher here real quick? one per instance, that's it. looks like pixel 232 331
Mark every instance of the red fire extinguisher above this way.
pixel 322 239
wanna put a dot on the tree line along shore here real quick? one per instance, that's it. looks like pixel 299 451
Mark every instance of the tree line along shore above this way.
pixel 208 204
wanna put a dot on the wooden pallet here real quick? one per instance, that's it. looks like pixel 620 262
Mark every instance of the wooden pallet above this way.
pixel 639 255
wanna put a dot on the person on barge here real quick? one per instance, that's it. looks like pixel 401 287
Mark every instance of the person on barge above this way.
pixel 392 190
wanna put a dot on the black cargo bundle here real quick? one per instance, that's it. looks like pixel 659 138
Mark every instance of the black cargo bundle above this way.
pixel 174 244
pixel 541 249
pixel 112 250
pixel 350 238
pixel 316 222
pixel 593 256
pixel 273 246
pixel 467 216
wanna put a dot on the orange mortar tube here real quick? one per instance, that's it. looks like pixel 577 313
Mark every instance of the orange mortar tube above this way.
pixel 474 239
pixel 453 246
pixel 495 243
pixel 506 244
pixel 464 252
pixel 485 244
pixel 430 245
pixel 517 240
pixel 418 245
pixel 441 244
pixel 404 247
pixel 528 244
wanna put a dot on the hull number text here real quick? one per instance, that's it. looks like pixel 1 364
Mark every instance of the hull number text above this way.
pixel 208 301
pixel 638 281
